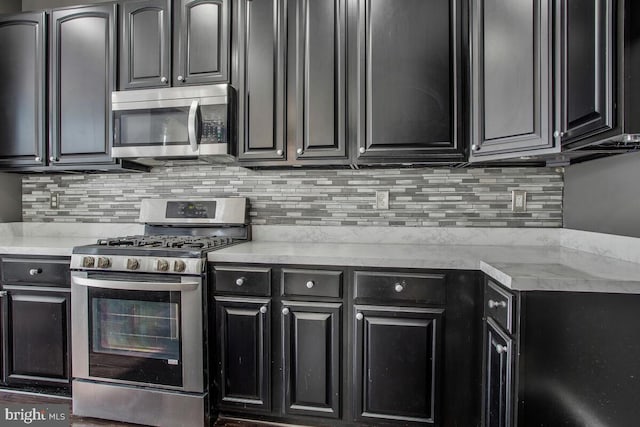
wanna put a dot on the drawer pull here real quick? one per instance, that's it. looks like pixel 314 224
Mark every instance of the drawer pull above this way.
pixel 399 287
pixel 501 348
pixel 359 316
pixel 285 311
pixel 35 271
pixel 263 309
pixel 497 304
pixel 310 284
pixel 240 281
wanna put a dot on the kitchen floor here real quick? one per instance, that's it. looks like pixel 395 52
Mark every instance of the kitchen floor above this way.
pixel 12 397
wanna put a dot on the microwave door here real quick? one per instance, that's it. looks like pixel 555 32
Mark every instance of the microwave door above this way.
pixel 193 124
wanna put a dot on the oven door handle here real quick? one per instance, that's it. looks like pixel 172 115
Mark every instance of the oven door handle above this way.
pixel 192 125
pixel 135 286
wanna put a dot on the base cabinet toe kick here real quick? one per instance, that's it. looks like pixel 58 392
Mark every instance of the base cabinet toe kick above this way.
pixel 329 346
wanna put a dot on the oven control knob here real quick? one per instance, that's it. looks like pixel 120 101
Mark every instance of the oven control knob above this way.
pixel 162 265
pixel 179 266
pixel 132 264
pixel 104 262
pixel 88 262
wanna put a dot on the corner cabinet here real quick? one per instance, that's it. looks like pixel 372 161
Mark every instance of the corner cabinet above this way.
pixel 406 82
pixel 23 90
pixel 82 77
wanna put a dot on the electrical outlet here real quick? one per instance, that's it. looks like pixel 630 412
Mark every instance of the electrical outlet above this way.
pixel 54 200
pixel 382 200
pixel 518 201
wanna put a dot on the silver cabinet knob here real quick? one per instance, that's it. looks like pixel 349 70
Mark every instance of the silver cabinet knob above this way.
pixel 53 159
pixel 496 304
pixel 310 284
pixel 263 309
pixel 501 348
pixel 240 281
pixel 163 79
pixel 285 311
pixel 3 294
pixel 299 151
pixel 35 271
pixel 359 316
pixel 558 134
pixel 475 147
pixel 180 78
pixel 362 150
pixel 279 152
pixel 38 159
pixel 398 287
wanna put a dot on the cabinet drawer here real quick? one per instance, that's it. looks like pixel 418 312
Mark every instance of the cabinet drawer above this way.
pixel 318 283
pixel 499 305
pixel 36 271
pixel 419 288
pixel 243 281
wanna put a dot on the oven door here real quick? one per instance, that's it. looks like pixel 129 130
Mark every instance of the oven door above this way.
pixel 138 329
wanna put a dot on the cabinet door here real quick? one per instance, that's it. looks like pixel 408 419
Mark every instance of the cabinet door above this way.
pixel 587 56
pixel 201 38
pixel 317 78
pixel 498 380
pixel 22 90
pixel 512 79
pixel 397 364
pixel 145 45
pixel 36 327
pixel 244 337
pixel 82 61
pixel 312 358
pixel 261 83
pixel 408 80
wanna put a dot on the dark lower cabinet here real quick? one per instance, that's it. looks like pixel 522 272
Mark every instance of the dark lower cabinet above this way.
pixel 397 364
pixel 244 354
pixel 312 343
pixel 498 387
pixel 37 336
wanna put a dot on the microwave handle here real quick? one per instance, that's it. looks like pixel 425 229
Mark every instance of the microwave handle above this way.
pixel 192 125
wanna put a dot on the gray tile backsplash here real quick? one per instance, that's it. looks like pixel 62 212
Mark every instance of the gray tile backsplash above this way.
pixel 431 197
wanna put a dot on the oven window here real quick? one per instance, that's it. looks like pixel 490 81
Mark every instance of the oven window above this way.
pixel 146 329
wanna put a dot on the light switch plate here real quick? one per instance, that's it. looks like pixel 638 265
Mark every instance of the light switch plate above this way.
pixel 382 199
pixel 519 201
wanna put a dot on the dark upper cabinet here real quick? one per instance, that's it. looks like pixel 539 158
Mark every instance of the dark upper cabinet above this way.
pixel 244 337
pixel 82 77
pixel 312 349
pixel 145 44
pixel 397 364
pixel 317 80
pixel 587 57
pixel 261 80
pixel 512 99
pixel 22 90
pixel 201 41
pixel 406 80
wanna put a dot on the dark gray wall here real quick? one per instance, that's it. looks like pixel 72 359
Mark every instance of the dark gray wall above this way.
pixel 45 4
pixel 604 195
pixel 10 6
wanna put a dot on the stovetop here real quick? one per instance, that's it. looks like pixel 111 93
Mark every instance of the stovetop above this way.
pixel 162 241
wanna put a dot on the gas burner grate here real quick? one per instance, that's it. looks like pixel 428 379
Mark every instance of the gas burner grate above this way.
pixel 181 242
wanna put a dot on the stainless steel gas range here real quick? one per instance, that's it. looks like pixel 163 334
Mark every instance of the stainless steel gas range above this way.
pixel 139 314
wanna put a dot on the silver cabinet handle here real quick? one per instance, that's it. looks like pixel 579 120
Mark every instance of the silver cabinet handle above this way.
pixel 192 125
pixel 501 348
pixel 163 79
pixel 285 311
pixel 53 159
pixel 38 159
pixel 497 304
pixel 362 150
pixel 310 284
pixel 3 294
pixel 558 134
pixel 299 151
pixel 180 78
pixel 278 152
pixel 399 287
pixel 35 271
pixel 263 309
pixel 475 147
pixel 359 316
pixel 240 281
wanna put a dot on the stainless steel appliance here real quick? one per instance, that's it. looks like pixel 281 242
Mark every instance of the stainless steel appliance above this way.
pixel 174 123
pixel 139 313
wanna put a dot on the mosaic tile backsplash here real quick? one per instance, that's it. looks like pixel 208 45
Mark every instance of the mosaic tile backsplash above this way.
pixel 429 197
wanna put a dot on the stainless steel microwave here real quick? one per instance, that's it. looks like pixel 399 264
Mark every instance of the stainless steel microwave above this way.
pixel 191 122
